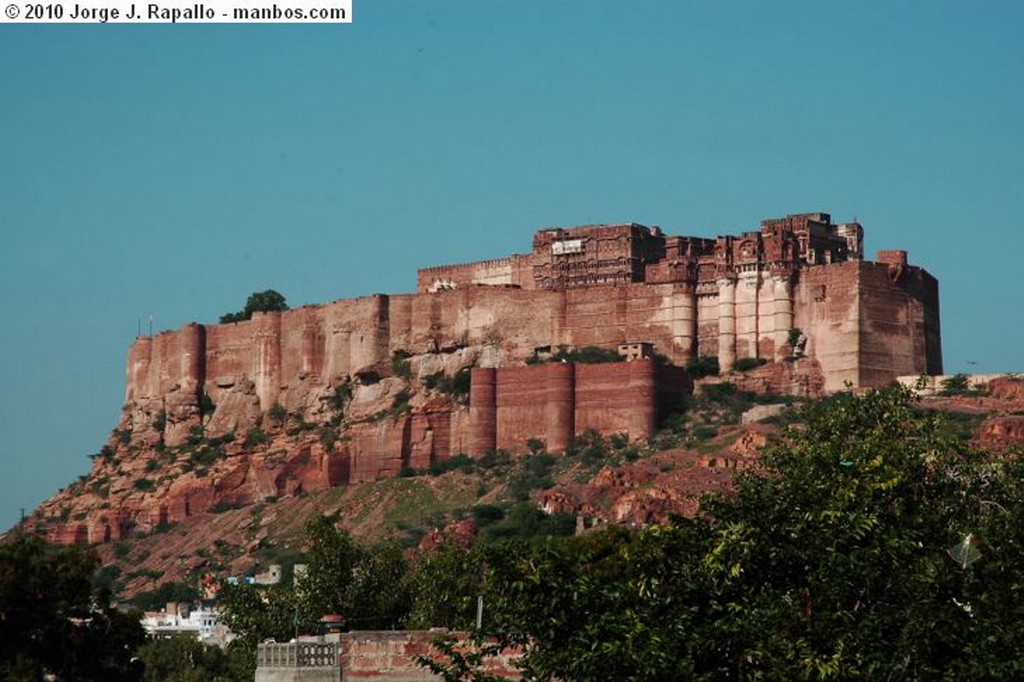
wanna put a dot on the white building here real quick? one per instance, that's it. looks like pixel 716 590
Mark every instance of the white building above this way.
pixel 179 619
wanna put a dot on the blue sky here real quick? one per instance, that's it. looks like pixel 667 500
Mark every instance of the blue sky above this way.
pixel 172 170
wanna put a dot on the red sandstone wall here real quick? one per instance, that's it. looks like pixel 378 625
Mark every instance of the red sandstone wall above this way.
pixel 228 352
pixel 516 270
pixel 556 401
pixel 865 323
pixel 159 364
pixel 827 310
pixel 795 377
pixel 288 355
pixel 662 314
pixel 928 293
pixel 390 656
pixel 521 406
pixel 380 449
pixel 279 351
pixel 560 404
pixel 617 398
pixel 888 320
pixel 483 411
pixel 868 323
pixel 707 323
pixel 898 322
pixel 516 319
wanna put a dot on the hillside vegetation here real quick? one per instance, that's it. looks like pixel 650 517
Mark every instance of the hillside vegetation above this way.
pixel 871 543
pixel 602 479
pixel 868 540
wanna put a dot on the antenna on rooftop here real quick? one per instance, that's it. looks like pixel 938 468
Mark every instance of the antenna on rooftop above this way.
pixel 151 324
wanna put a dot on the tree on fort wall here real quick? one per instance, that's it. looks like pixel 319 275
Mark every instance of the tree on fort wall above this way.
pixel 258 302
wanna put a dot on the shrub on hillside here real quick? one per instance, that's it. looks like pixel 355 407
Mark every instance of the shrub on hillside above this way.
pixel 703 366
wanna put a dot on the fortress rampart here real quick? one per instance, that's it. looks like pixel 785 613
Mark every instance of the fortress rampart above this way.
pixel 553 402
pixel 799 280
pixel 796 293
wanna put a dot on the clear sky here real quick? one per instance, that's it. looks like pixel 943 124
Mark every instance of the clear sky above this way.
pixel 172 170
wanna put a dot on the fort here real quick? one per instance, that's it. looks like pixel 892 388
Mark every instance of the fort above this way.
pixel 792 307
pixel 731 297
pixel 798 288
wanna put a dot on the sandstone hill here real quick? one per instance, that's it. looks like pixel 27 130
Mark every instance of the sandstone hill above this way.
pixel 244 528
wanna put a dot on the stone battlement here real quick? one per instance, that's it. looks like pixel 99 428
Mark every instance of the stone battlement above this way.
pixel 602 255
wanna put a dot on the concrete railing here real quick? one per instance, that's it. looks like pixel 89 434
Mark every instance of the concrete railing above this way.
pixel 298 655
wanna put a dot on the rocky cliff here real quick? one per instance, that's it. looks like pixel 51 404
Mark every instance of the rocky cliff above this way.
pixel 203 439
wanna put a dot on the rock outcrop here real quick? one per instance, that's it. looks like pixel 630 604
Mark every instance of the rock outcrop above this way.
pixel 668 484
pixel 1002 432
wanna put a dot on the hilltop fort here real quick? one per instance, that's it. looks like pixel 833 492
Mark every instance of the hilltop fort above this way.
pixel 359 389
pixel 731 297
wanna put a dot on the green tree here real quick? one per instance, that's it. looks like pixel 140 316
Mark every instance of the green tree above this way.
pixel 958 384
pixel 167 592
pixel 871 544
pixel 332 560
pixel 836 547
pixel 260 301
pixel 54 623
pixel 379 596
pixel 258 613
pixel 366 585
pixel 447 583
pixel 612 605
pixel 183 658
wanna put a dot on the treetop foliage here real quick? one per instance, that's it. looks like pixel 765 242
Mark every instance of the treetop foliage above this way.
pixel 258 302
pixel 871 544
pixel 54 623
pixel 183 658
